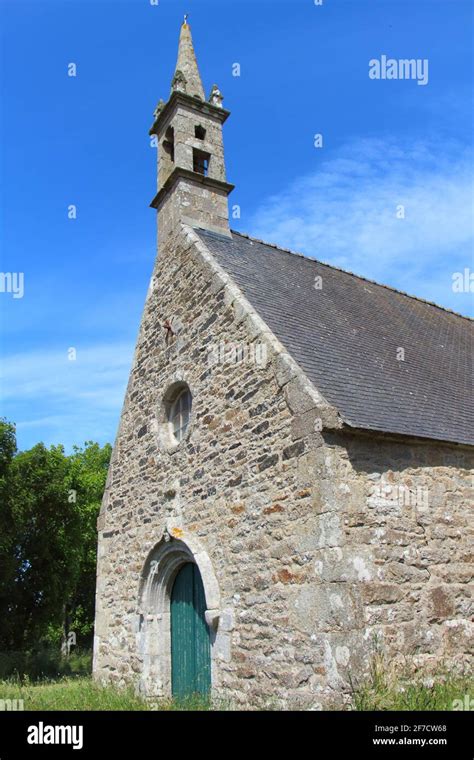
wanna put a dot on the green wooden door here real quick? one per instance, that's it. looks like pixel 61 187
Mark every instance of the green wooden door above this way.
pixel 190 645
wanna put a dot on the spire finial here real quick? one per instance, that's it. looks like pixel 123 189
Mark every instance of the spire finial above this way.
pixel 186 78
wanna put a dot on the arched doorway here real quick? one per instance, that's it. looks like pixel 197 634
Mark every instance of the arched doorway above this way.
pixel 190 642
pixel 161 570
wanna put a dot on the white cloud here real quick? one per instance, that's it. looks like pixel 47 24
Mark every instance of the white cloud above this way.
pixel 345 213
pixel 68 401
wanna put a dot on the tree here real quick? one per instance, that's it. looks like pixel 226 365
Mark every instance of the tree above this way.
pixel 87 476
pixel 7 526
pixel 48 512
pixel 46 546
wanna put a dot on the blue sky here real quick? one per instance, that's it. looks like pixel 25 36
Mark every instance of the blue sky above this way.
pixel 304 70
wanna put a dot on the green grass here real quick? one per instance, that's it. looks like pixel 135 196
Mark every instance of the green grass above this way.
pixel 389 688
pixel 386 688
pixel 70 694
pixel 85 694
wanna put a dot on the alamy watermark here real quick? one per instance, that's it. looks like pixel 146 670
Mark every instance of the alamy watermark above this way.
pixel 237 353
pixel 467 703
pixel 399 68
pixel 53 734
pixel 463 282
pixel 11 704
pixel 12 282
pixel 69 642
pixel 400 495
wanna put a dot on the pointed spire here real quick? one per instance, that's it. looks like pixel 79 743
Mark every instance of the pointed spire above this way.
pixel 186 76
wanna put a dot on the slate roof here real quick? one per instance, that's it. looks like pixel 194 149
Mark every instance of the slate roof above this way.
pixel 345 338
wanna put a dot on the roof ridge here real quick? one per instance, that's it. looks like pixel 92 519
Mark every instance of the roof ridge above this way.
pixel 353 274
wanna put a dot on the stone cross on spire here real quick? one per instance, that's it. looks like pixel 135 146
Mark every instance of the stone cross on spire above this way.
pixel 186 76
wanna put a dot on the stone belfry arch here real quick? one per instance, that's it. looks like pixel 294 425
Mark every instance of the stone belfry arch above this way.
pixel 192 185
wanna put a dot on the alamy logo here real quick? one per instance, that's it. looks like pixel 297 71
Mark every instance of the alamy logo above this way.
pixel 385 494
pixel 399 68
pixel 238 353
pixel 463 282
pixel 464 704
pixel 42 734
pixel 11 704
pixel 12 282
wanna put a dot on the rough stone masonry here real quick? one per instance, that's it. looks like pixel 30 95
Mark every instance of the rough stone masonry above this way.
pixel 317 540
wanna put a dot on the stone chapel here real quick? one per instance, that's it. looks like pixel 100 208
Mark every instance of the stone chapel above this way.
pixel 291 483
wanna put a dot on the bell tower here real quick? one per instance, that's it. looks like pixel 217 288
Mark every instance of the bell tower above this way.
pixel 192 186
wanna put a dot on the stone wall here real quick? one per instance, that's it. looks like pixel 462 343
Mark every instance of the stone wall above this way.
pixel 392 537
pixel 207 204
pixel 305 554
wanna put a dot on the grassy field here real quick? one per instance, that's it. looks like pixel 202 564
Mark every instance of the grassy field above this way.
pixel 85 694
pixel 379 693
pixel 393 688
pixel 54 683
pixel 70 694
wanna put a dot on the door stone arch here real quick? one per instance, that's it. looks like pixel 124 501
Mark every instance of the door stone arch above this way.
pixel 154 610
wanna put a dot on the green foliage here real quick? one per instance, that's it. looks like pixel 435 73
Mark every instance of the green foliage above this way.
pixel 7 527
pixel 48 512
pixel 87 476
pixel 398 688
pixel 47 543
pixel 7 446
pixel 45 663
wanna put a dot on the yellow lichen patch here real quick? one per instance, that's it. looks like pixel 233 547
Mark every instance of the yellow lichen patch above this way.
pixel 176 532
